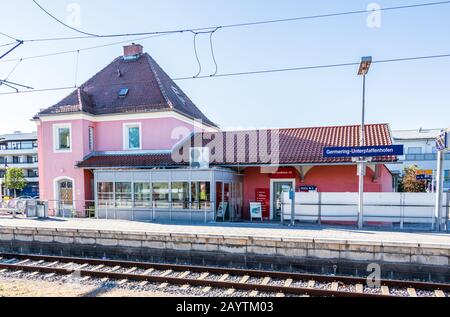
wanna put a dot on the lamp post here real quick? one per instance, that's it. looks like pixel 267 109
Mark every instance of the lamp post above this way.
pixel 364 67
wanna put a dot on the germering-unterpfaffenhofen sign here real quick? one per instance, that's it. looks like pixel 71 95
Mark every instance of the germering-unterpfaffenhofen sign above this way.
pixel 363 151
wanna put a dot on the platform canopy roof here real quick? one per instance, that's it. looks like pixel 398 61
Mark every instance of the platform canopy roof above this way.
pixel 293 146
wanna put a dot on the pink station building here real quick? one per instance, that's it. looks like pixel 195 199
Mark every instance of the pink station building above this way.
pixel 130 144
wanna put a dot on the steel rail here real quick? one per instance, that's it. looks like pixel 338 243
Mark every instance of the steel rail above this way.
pixel 418 285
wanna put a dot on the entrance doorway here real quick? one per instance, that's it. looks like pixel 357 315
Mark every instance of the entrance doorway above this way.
pixel 278 187
pixel 65 197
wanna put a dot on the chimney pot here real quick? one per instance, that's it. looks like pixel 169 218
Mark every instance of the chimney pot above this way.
pixel 133 50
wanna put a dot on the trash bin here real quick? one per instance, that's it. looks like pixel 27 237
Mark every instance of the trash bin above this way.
pixel 31 208
pixel 42 209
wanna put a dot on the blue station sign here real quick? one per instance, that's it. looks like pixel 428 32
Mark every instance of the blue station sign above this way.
pixel 362 151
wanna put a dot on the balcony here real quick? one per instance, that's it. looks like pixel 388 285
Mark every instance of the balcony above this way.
pixel 28 164
pixel 17 151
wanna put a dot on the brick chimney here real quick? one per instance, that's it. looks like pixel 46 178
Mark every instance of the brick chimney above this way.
pixel 133 50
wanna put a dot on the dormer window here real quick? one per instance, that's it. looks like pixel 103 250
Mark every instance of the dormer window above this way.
pixel 123 92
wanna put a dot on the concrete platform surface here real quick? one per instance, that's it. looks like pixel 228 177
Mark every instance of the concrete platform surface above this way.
pixel 254 230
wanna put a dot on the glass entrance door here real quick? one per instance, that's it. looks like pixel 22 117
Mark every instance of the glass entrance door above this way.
pixel 278 189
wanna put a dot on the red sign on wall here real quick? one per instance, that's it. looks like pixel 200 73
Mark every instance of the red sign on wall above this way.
pixel 284 172
pixel 262 195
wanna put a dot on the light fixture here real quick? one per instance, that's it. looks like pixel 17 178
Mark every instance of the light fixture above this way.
pixel 364 66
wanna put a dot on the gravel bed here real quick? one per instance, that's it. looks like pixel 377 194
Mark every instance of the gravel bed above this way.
pixel 347 288
pixel 398 292
pixel 302 284
pixel 372 290
pixel 425 293
pixel 213 277
pixel 276 282
pixel 254 280
pixel 234 278
pixel 194 276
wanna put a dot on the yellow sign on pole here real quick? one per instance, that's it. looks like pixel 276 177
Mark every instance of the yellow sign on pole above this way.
pixel 424 172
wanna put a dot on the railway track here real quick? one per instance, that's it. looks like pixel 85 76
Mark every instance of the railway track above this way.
pixel 228 279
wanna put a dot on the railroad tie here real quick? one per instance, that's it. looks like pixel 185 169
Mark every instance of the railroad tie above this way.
pixel 114 269
pixel 10 260
pixel 334 286
pixel 84 279
pixel 203 276
pixel 67 265
pixel 253 293
pixel 3 270
pixel 244 279
pixel 165 273
pixel 385 290
pixel 131 270
pixel 359 288
pixel 206 289
pixel 121 282
pixel 17 272
pixel 143 283
pixel 311 284
pixel 265 281
pixel 288 282
pixel 280 295
pixel 23 262
pixel 51 264
pixel 224 277
pixel 81 267
pixel 39 262
pixel 439 293
pixel 49 275
pixel 149 271
pixel 184 274
pixel 104 280
pixel 185 287
pixel 230 291
pixel 32 274
pixel 411 292
pixel 98 267
pixel 163 285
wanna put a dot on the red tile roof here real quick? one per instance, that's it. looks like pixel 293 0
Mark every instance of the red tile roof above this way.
pixel 295 146
pixel 150 89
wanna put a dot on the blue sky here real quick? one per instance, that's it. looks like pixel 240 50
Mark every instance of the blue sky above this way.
pixel 406 95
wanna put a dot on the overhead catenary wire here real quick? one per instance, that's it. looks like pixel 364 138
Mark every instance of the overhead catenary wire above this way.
pixel 235 25
pixel 61 22
pixel 81 49
pixel 266 71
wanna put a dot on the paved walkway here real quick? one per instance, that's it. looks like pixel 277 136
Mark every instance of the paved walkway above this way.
pixel 235 229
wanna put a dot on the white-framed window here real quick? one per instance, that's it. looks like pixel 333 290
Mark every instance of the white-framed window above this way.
pixel 62 137
pixel 91 138
pixel 132 136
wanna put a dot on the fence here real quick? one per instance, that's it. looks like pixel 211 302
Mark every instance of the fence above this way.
pixel 402 210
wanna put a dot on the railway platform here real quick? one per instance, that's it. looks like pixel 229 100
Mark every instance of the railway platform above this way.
pixel 262 246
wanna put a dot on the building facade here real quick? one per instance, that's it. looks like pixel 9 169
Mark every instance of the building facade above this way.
pixel 20 150
pixel 131 143
pixel 420 150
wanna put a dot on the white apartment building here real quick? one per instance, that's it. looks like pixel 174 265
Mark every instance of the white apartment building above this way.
pixel 420 150
pixel 20 150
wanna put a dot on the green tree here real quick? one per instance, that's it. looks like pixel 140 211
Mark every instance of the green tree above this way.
pixel 14 180
pixel 410 184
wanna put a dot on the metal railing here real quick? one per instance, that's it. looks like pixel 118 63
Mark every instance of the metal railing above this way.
pixel 402 215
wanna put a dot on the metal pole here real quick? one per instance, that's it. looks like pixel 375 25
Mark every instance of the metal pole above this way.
pixel 292 194
pixel 361 163
pixel 439 187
